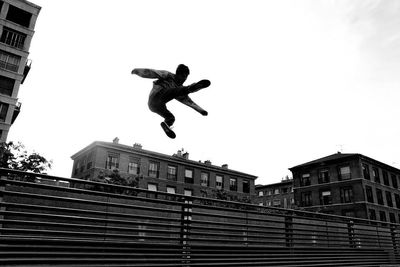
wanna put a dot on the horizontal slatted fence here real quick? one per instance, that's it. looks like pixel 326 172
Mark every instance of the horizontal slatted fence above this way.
pixel 53 221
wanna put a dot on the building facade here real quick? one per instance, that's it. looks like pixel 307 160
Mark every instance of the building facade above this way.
pixel 159 172
pixel 17 23
pixel 279 195
pixel 350 185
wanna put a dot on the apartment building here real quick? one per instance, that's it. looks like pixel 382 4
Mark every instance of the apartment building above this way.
pixel 17 23
pixel 159 172
pixel 279 195
pixel 348 184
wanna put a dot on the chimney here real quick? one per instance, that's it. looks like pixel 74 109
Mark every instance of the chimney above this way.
pixel 137 146
pixel 185 155
pixel 116 140
pixel 207 162
pixel 225 166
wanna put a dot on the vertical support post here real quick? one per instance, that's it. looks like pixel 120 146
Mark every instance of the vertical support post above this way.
pixel 186 217
pixel 2 207
pixel 289 229
pixel 327 232
pixel 378 237
pixel 393 234
pixel 351 233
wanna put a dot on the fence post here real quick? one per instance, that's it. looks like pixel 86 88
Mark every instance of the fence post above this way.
pixel 393 234
pixel 2 207
pixel 289 229
pixel 186 217
pixel 350 230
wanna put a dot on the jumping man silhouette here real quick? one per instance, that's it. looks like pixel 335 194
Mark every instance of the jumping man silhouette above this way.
pixel 167 87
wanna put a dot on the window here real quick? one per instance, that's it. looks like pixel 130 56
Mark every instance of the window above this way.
pixel 394 180
pixel 246 186
pixel 276 191
pixel 76 169
pixel 306 199
pixel 188 192
pixel 323 176
pixel 260 204
pixel 365 169
pixel 83 164
pixel 233 184
pixel 397 200
pixel 189 176
pixel 325 197
pixel 276 202
pixel 112 162
pixel 346 194
pixel 385 177
pixel 392 217
pixel 154 169
pixel 3 111
pixel 269 203
pixel 6 85
pixel 305 180
pixel 370 196
pixel 379 196
pixel 134 166
pixel 13 38
pixel 89 161
pixel 269 192
pixel 375 174
pixel 19 16
pixel 285 203
pixel 389 200
pixel 260 193
pixel 372 214
pixel 344 173
pixel 382 216
pixel 219 182
pixel 151 187
pixel 171 189
pixel 172 173
pixel 9 61
pixel 284 190
pixel 204 179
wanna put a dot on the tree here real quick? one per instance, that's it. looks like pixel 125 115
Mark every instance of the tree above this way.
pixel 14 156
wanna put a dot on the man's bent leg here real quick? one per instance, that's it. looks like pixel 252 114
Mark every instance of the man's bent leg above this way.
pixel 190 103
pixel 169 118
pixel 171 93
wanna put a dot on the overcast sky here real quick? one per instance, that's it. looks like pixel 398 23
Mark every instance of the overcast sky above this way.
pixel 292 81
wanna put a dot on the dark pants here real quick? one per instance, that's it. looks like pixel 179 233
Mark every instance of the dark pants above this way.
pixel 157 103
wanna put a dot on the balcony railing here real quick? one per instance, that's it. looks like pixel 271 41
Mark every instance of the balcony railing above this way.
pixel 13 38
pixel 9 66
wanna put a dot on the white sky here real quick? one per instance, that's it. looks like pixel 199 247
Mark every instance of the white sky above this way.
pixel 292 81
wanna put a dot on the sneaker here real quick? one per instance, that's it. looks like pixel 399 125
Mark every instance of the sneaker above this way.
pixel 199 85
pixel 168 130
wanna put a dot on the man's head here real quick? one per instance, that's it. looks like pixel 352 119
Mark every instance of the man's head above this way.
pixel 181 74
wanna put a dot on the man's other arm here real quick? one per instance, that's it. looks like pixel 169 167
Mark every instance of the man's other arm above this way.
pixel 150 73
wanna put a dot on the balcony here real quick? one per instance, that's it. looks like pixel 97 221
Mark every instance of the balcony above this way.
pixel 17 110
pixel 26 69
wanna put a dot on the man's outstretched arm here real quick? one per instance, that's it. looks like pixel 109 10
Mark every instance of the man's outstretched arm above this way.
pixel 150 73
